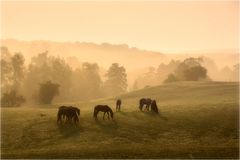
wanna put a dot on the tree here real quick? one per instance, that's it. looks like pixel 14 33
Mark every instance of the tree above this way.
pixel 86 82
pixel 44 68
pixel 12 74
pixel 61 74
pixel 195 73
pixel 18 70
pixel 164 70
pixel 226 73
pixel 116 82
pixel 171 78
pixel 236 72
pixel 47 92
pixel 6 70
pixel 92 79
pixel 189 70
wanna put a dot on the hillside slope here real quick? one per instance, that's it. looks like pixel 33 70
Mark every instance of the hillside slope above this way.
pixel 197 120
pixel 104 54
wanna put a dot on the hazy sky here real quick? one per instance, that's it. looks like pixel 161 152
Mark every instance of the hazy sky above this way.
pixel 161 26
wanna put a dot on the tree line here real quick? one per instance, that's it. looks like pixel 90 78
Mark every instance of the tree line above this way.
pixel 48 76
pixel 190 69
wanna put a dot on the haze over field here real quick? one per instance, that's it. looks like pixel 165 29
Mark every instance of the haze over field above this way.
pixel 119 79
pixel 136 61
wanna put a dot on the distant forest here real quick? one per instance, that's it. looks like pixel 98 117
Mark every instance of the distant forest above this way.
pixel 47 78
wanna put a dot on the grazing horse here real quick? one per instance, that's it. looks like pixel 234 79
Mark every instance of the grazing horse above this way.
pixel 144 101
pixel 71 114
pixel 118 105
pixel 154 107
pixel 102 108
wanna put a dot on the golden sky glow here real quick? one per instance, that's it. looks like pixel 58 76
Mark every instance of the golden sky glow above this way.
pixel 160 26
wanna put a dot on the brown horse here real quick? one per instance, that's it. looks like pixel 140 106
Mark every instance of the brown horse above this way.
pixel 102 108
pixel 154 107
pixel 144 101
pixel 118 105
pixel 69 113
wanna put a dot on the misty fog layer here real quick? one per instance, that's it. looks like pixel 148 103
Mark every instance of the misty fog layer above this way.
pixel 84 71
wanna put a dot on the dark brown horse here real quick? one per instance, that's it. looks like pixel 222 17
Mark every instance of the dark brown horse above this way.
pixel 144 101
pixel 154 107
pixel 102 108
pixel 118 105
pixel 69 113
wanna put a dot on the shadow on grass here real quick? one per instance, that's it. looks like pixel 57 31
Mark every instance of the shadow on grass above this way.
pixel 109 125
pixel 69 129
pixel 121 113
pixel 150 114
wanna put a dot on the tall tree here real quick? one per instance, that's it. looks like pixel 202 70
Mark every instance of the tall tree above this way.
pixel 92 79
pixel 86 82
pixel 116 82
pixel 6 70
pixel 12 74
pixel 44 68
pixel 18 70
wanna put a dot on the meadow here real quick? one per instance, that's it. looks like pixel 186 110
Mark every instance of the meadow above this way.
pixel 196 120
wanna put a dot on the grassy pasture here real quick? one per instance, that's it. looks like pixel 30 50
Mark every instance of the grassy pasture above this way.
pixel 197 120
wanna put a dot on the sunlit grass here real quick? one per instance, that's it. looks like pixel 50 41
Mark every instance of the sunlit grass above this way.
pixel 197 120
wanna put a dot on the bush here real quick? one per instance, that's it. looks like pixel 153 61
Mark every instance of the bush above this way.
pixel 188 70
pixel 12 99
pixel 171 78
pixel 47 92
pixel 195 73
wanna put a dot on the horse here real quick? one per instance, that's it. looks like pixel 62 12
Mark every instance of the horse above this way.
pixel 144 101
pixel 118 105
pixel 154 107
pixel 102 108
pixel 71 114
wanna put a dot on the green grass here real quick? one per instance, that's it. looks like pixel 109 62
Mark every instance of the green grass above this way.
pixel 197 120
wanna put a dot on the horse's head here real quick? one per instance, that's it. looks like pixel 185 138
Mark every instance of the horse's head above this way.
pixel 78 111
pixel 111 112
pixel 95 113
pixel 154 103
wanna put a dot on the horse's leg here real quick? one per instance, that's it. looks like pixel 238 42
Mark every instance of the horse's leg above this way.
pixel 63 118
pixel 58 119
pixel 104 115
pixel 108 115
pixel 68 119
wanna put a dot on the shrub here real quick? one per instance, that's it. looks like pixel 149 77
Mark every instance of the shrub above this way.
pixel 12 99
pixel 171 78
pixel 47 92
